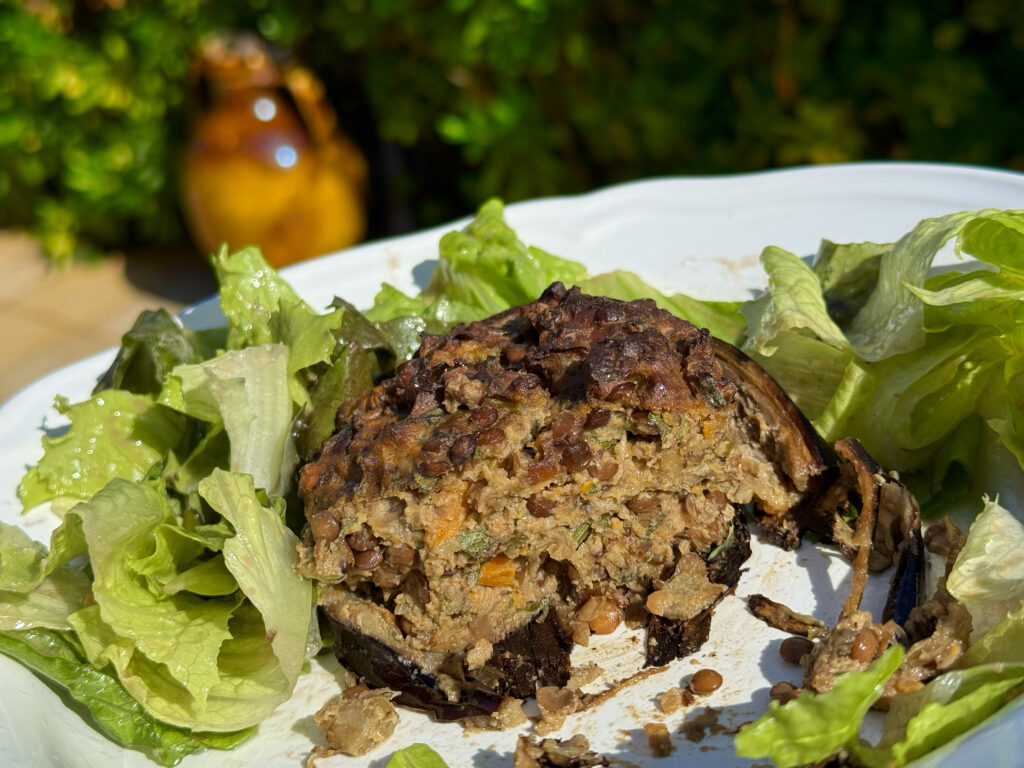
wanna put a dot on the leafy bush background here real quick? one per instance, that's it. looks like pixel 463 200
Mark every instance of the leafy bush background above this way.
pixel 458 100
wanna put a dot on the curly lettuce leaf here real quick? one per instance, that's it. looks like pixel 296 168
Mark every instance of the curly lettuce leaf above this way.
pixel 191 649
pixel 922 396
pixel 996 238
pixel 114 434
pixel 155 345
pixel 921 357
pixel 57 657
pixel 33 592
pixel 793 302
pixel 263 309
pixel 246 392
pixel 813 727
pixel 128 528
pixel 259 556
pixel 978 297
pixel 486 266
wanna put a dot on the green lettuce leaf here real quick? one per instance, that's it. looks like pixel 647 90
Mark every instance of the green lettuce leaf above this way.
pixel 402 318
pixel 126 527
pixel 826 383
pixel 33 591
pixel 890 322
pixel 193 651
pixel 263 309
pixel 1004 643
pixel 978 297
pixel 350 374
pixel 259 556
pixel 947 707
pixel 208 578
pixel 246 392
pixel 59 658
pixel 211 451
pixel 487 267
pixel 357 328
pixel 793 302
pixel 1005 412
pixel 813 727
pixel 114 434
pixel 848 273
pixel 416 756
pixel 997 238
pixel 21 559
pixel 946 480
pixel 155 345
pixel 922 396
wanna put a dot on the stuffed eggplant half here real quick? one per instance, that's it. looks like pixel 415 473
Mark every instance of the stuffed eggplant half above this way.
pixel 542 475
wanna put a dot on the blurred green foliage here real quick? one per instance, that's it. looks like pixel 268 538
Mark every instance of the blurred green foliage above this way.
pixel 517 98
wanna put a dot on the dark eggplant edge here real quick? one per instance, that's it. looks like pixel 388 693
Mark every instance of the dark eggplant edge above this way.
pixel 378 665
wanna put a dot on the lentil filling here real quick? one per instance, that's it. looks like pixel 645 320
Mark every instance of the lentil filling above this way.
pixel 578 455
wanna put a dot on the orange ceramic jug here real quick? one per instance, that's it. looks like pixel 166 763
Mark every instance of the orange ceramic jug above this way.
pixel 266 165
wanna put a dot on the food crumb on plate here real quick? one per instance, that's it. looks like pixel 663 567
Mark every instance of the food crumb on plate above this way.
pixel 658 739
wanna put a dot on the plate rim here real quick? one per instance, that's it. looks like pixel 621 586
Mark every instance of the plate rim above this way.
pixel 860 171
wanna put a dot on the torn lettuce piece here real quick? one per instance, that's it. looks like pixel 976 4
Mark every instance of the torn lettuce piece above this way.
pixel 890 322
pixel 848 273
pixel 128 528
pixel 21 559
pixel 57 657
pixel 486 266
pixel 903 390
pixel 154 345
pixel 996 238
pixel 988 575
pixel 793 302
pixel 814 727
pixel 191 650
pixel 114 434
pixel 259 556
pixel 350 374
pixel 436 315
pixel 263 309
pixel 416 756
pixel 246 392
pixel 33 591
pixel 922 396
pixel 978 297
pixel 948 707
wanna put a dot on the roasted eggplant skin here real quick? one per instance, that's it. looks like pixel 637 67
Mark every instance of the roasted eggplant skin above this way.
pixel 380 666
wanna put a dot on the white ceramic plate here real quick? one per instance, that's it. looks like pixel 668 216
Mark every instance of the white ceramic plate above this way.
pixel 701 236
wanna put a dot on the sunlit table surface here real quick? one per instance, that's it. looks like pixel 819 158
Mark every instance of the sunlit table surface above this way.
pixel 50 317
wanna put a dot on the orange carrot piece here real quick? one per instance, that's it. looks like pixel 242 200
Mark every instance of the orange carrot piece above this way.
pixel 499 571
